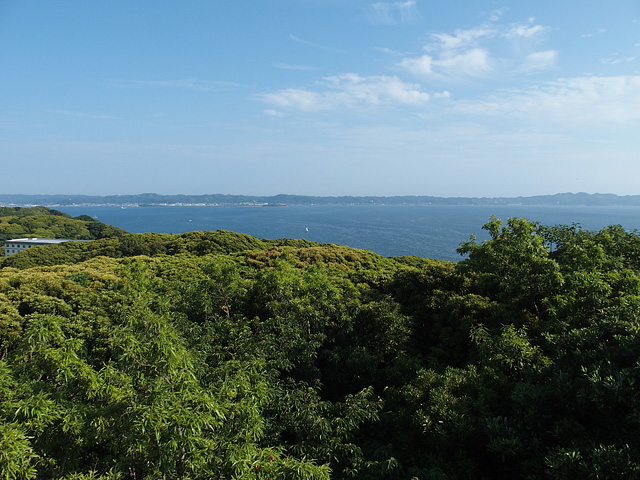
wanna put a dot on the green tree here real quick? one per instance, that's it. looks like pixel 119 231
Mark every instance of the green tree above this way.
pixel 514 266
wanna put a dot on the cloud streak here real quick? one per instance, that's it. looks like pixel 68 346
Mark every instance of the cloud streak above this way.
pixel 460 38
pixel 524 30
pixel 466 53
pixel 307 43
pixel 350 90
pixel 287 66
pixel 600 31
pixel 472 63
pixel 578 100
pixel 615 59
pixel 538 61
pixel 393 13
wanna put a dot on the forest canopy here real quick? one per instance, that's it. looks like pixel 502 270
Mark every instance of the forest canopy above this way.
pixel 42 222
pixel 219 355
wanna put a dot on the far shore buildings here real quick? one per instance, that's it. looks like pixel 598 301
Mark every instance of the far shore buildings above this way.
pixel 18 244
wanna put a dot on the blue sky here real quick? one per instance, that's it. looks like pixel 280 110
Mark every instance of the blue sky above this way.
pixel 320 97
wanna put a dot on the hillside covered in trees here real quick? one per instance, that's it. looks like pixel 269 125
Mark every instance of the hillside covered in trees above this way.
pixel 18 222
pixel 218 355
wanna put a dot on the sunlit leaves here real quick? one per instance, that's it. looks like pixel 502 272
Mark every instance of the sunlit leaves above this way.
pixel 216 355
pixel 514 265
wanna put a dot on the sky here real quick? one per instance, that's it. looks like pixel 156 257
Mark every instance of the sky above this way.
pixel 465 98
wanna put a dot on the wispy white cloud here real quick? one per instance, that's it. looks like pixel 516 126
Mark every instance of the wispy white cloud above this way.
pixel 408 11
pixel 308 43
pixel 392 13
pixel 600 31
pixel 461 38
pixel 495 15
pixel 302 41
pixel 273 113
pixel 579 100
pixel 287 66
pixel 473 63
pixel 352 91
pixel 465 38
pixel 466 53
pixel 524 30
pixel 616 58
pixel 391 52
pixel 295 98
pixel 419 66
pixel 453 55
pixel 538 61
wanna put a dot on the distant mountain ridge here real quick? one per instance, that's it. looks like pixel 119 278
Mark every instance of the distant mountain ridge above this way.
pixel 152 199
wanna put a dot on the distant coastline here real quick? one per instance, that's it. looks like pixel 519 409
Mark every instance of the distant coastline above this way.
pixel 218 200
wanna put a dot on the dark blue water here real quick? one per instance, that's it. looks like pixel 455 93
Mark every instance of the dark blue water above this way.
pixel 432 231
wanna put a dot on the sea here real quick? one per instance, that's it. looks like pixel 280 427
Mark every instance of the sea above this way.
pixel 430 231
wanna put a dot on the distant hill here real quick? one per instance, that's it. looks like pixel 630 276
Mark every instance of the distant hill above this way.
pixel 19 222
pixel 283 199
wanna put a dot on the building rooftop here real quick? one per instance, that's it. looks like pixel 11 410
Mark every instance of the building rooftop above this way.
pixel 39 241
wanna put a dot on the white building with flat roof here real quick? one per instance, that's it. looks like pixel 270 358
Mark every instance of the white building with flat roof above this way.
pixel 18 244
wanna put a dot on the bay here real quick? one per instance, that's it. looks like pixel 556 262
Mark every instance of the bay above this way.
pixel 431 231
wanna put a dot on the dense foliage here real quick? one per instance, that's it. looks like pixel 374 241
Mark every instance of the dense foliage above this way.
pixel 19 222
pixel 218 355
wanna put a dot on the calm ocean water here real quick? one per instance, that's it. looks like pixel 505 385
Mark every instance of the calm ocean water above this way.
pixel 432 231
